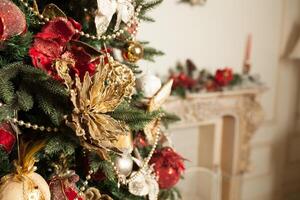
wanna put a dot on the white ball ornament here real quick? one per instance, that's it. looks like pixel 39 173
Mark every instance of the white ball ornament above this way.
pixel 124 164
pixel 149 84
pixel 31 186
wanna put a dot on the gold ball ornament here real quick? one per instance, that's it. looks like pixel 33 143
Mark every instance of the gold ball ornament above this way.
pixel 31 186
pixel 133 52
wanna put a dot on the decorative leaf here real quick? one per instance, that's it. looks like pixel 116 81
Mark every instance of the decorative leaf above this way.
pixel 52 11
pixel 94 53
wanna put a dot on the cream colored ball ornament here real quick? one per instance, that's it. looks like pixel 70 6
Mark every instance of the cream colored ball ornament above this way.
pixel 25 187
pixel 24 183
pixel 149 84
pixel 124 164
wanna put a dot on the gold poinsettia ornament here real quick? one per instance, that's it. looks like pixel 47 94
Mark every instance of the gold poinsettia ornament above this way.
pixel 93 98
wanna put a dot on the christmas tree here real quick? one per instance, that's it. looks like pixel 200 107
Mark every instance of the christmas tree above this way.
pixel 75 122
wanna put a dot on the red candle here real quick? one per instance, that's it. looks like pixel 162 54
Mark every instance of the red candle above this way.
pixel 247 63
pixel 248 48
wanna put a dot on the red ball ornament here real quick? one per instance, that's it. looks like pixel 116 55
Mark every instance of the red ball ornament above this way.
pixel 168 166
pixel 12 20
pixel 7 138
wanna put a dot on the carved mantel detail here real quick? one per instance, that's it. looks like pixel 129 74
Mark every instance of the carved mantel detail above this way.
pixel 251 116
pixel 242 105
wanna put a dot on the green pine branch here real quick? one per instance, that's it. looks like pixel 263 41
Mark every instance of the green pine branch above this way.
pixel 169 118
pixel 23 87
pixel 60 144
pixel 150 53
pixel 147 6
pixel 5 165
pixel 15 49
pixel 134 117
pixel 147 18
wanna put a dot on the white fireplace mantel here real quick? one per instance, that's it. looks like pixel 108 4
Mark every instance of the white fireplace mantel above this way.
pixel 240 114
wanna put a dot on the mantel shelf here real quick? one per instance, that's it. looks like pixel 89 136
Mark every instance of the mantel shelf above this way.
pixel 226 93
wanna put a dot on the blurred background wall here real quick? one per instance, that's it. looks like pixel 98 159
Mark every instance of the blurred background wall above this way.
pixel 214 36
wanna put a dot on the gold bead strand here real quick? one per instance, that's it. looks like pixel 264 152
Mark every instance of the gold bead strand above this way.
pixel 32 126
pixel 28 124
pixel 144 166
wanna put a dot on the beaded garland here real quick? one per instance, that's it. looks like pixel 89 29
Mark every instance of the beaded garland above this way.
pixel 29 125
pixel 125 181
pixel 134 20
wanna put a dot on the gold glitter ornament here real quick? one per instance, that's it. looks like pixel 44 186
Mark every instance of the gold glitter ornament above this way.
pixel 133 52
pixel 161 96
pixel 151 129
pixel 124 143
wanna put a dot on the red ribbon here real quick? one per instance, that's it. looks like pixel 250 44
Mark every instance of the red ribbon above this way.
pixel 7 140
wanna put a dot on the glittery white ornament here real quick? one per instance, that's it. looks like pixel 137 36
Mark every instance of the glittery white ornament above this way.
pixel 149 84
pixel 144 184
pixel 107 8
pixel 124 164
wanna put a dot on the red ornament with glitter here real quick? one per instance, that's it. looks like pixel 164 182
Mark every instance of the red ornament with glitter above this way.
pixel 64 187
pixel 168 166
pixel 12 20
pixel 223 76
pixel 7 138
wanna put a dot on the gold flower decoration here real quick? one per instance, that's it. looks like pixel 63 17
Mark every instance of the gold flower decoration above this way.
pixel 96 96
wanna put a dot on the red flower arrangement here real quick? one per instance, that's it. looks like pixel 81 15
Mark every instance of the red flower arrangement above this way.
pixel 186 78
pixel 168 166
pixel 183 81
pixel 54 43
pixel 223 76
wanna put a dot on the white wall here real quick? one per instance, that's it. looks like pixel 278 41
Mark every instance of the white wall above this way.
pixel 214 36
